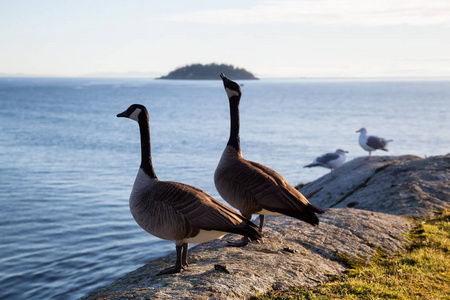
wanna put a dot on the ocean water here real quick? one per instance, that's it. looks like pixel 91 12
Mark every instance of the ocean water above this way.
pixel 67 164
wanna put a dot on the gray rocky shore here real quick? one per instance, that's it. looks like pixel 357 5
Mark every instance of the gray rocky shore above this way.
pixel 369 205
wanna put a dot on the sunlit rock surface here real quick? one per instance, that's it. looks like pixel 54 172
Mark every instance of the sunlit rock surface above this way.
pixel 401 185
pixel 366 203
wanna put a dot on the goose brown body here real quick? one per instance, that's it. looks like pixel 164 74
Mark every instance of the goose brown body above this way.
pixel 253 188
pixel 182 213
pixel 176 211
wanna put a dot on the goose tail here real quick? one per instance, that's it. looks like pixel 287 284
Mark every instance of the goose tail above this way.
pixel 315 209
pixel 250 230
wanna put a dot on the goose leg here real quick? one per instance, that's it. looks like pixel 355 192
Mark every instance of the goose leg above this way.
pixel 177 268
pixel 261 221
pixel 184 262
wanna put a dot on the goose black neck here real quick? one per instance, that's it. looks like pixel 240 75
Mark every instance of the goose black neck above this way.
pixel 234 139
pixel 146 157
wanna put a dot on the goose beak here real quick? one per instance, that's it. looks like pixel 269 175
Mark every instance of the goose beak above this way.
pixel 224 77
pixel 122 114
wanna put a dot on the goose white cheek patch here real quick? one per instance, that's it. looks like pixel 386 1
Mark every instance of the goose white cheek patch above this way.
pixel 231 93
pixel 135 114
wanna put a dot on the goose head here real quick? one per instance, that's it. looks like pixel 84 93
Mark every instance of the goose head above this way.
pixel 363 131
pixel 135 112
pixel 232 88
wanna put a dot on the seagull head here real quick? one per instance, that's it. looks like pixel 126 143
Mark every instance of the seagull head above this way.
pixel 362 130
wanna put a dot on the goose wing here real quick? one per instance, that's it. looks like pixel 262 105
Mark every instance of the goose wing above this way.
pixel 274 193
pixel 201 211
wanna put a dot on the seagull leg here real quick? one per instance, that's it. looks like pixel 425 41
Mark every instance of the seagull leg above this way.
pixel 333 176
pixel 177 268
pixel 368 157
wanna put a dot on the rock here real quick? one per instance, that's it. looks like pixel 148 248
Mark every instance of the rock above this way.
pixel 403 185
pixel 293 253
pixel 316 254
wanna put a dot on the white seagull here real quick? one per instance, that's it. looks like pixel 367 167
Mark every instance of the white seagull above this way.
pixel 329 160
pixel 371 143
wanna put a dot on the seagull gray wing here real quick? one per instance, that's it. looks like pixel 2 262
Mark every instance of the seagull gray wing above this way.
pixel 326 158
pixel 376 142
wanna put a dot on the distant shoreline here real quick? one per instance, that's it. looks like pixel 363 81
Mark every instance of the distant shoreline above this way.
pixel 337 79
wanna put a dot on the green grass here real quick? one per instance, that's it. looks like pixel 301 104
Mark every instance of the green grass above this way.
pixel 423 272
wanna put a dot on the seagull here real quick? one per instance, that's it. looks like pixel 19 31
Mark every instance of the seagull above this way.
pixel 329 160
pixel 371 143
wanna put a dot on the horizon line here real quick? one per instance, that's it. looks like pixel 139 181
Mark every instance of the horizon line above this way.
pixel 89 76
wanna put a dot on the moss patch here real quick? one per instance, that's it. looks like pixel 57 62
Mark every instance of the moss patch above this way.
pixel 423 272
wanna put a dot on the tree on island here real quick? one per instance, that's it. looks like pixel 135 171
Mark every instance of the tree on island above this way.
pixel 210 71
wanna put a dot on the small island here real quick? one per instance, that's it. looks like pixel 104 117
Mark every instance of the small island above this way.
pixel 209 71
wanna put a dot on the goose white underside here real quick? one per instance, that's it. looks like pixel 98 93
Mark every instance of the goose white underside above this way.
pixel 204 236
pixel 268 213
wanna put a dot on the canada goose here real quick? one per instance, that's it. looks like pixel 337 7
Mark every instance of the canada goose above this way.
pixel 176 211
pixel 371 143
pixel 251 187
pixel 329 160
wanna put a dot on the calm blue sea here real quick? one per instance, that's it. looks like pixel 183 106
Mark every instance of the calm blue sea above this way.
pixel 67 163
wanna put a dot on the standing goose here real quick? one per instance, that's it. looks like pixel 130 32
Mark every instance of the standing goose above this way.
pixel 176 211
pixel 371 143
pixel 251 187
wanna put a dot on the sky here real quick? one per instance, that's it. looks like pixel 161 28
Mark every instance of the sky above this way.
pixel 272 39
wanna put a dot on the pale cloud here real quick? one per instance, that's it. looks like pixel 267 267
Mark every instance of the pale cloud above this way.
pixel 328 12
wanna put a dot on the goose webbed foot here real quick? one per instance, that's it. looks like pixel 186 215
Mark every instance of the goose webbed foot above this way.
pixel 171 270
pixel 242 243
pixel 182 253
